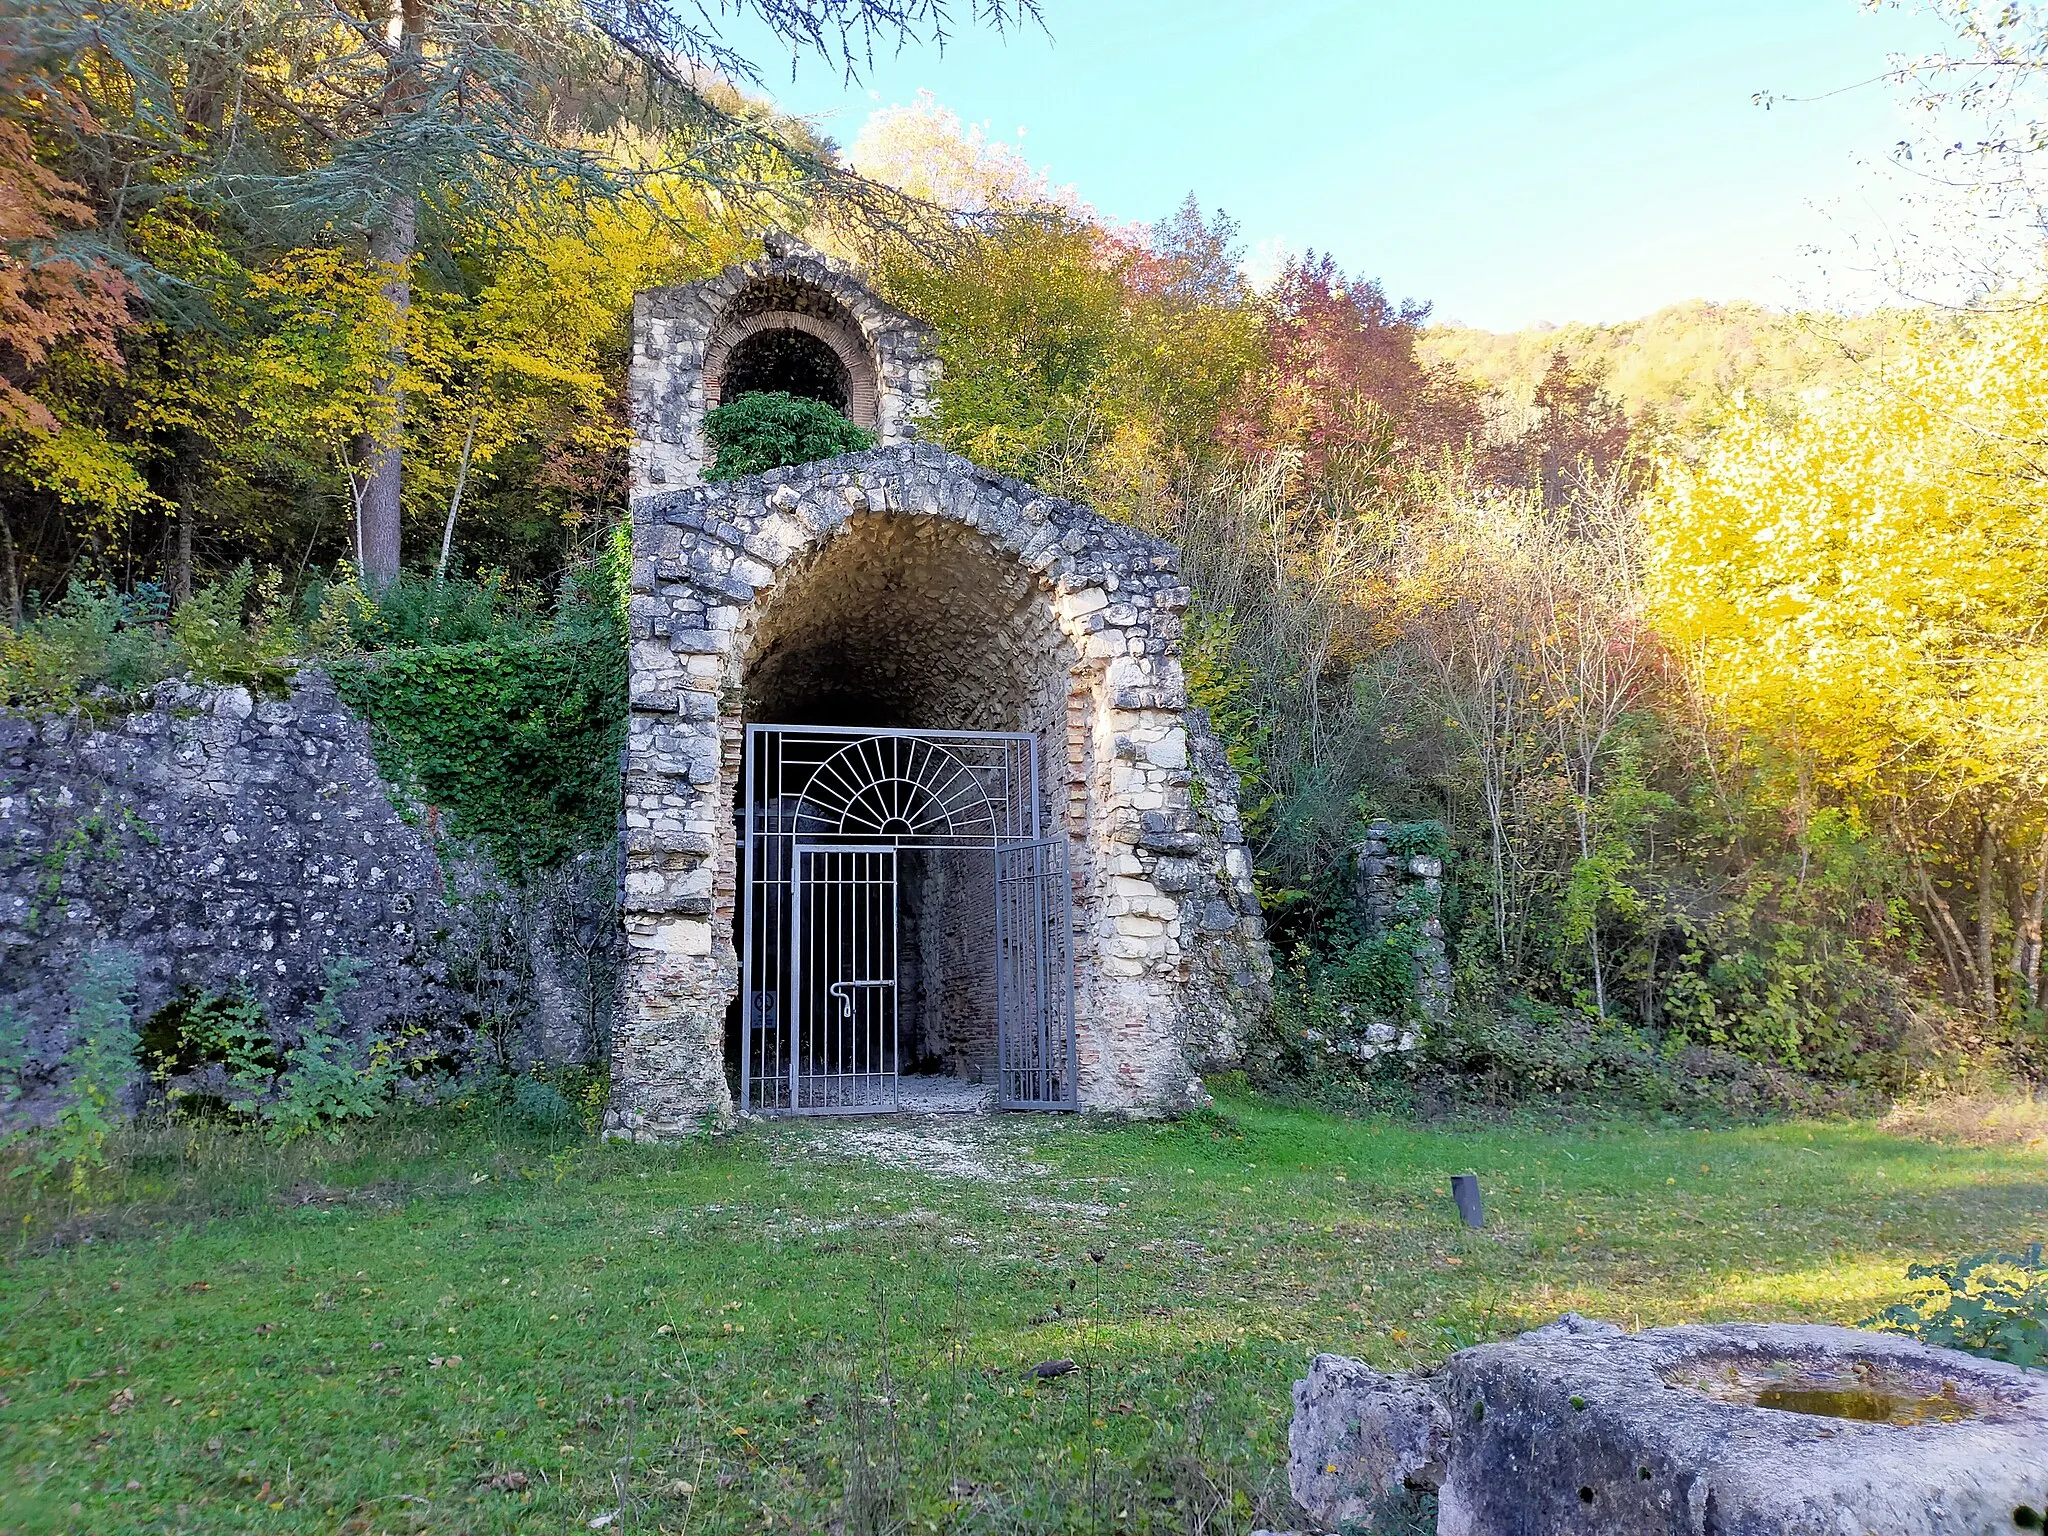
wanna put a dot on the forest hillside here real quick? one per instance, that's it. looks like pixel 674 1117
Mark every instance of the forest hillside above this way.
pixel 1683 365
pixel 1707 650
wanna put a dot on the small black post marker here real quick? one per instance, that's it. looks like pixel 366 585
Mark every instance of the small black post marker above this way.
pixel 1465 1190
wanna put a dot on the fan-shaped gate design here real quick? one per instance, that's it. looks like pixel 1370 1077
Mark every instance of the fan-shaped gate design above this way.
pixel 876 863
pixel 898 786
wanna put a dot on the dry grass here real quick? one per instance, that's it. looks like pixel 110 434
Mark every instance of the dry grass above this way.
pixel 1974 1120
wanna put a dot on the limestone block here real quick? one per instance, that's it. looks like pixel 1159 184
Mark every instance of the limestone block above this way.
pixel 1663 1432
pixel 678 936
pixel 1360 1440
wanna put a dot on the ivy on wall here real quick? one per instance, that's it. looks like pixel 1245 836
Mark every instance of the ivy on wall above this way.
pixel 512 742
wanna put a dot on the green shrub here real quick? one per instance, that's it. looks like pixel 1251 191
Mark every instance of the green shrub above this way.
pixel 769 429
pixel 417 610
pixel 222 637
pixel 514 739
pixel 326 1081
pixel 190 1034
pixel 95 636
pixel 1337 1019
pixel 543 1104
pixel 1412 839
pixel 233 631
pixel 98 1068
pixel 1992 1304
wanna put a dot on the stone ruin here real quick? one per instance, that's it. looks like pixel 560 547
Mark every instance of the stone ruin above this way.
pixel 903 590
pixel 1737 1429
pixel 1403 893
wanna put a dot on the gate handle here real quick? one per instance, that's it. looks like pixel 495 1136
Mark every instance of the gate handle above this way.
pixel 839 992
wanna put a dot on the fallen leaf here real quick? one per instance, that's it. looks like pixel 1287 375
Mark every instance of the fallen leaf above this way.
pixel 505 1482
pixel 604 1520
pixel 123 1400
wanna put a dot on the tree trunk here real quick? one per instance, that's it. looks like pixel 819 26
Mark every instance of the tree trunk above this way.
pixel 188 514
pixel 2030 969
pixel 393 240
pixel 1987 919
pixel 9 573
pixel 380 455
pixel 1583 811
pixel 1941 922
pixel 455 501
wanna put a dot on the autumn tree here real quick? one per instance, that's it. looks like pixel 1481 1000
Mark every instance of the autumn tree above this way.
pixel 1868 587
pixel 1341 373
pixel 60 299
pixel 388 130
pixel 1574 434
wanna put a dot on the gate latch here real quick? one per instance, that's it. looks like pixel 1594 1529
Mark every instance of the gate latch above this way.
pixel 841 992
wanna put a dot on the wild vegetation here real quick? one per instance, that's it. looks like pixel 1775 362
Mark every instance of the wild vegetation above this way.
pixel 1707 652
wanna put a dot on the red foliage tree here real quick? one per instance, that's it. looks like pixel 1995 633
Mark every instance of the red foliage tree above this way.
pixel 1342 375
pixel 49 298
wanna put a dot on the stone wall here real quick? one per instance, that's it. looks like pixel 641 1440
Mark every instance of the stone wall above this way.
pixel 223 840
pixel 1233 967
pixel 928 592
pixel 1401 891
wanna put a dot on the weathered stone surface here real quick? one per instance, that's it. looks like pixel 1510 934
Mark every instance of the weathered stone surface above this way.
pixel 1580 1427
pixel 1361 1439
pixel 1406 893
pixel 922 610
pixel 225 841
pixel 683 336
pixel 1600 1432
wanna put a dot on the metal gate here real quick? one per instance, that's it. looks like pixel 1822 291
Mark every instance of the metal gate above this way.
pixel 845 1052
pixel 1034 976
pixel 829 818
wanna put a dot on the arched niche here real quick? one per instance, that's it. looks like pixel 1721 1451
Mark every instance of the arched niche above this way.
pixel 794 318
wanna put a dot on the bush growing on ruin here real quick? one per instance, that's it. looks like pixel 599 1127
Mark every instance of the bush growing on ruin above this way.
pixel 771 428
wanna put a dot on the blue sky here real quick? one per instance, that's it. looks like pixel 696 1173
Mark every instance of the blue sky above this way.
pixel 1509 162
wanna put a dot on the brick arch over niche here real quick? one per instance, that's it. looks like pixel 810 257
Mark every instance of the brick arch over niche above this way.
pixel 909 587
pixel 685 340
pixel 838 335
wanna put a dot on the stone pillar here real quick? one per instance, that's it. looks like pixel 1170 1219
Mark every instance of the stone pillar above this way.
pixel 1405 892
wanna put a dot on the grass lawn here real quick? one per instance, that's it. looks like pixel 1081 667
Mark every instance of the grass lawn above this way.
pixel 449 1326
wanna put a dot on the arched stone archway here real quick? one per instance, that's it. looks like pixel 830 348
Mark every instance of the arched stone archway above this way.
pixel 908 586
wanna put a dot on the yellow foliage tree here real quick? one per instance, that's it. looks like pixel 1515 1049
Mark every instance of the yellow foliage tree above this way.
pixel 1867 584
